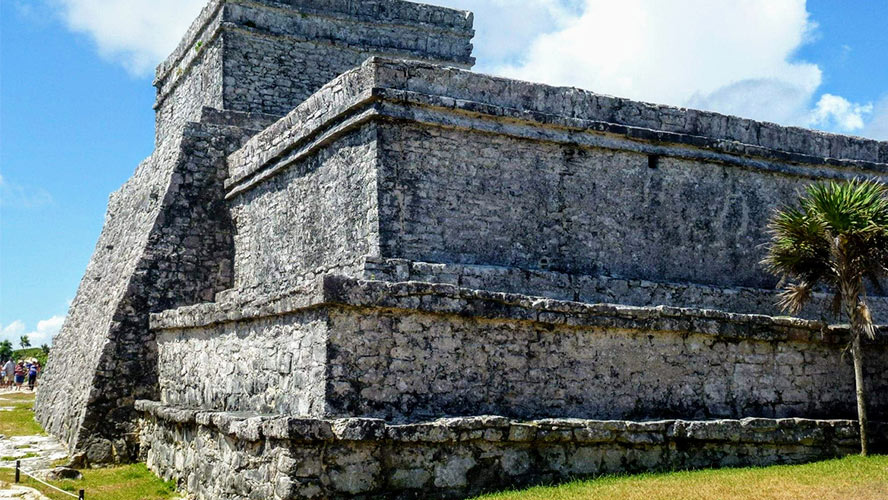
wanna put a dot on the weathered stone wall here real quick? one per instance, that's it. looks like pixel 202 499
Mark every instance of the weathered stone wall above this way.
pixel 415 171
pixel 409 352
pixel 556 181
pixel 223 456
pixel 273 365
pixel 318 216
pixel 402 366
pixel 432 94
pixel 266 56
pixel 454 196
pixel 168 238
pixel 70 375
pixel 167 242
pixel 202 88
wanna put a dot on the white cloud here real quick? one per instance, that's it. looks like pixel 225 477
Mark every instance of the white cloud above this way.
pixel 505 29
pixel 48 328
pixel 732 56
pixel 43 334
pixel 768 99
pixel 17 196
pixel 136 33
pixel 14 329
pixel 668 51
pixel 833 111
pixel 877 128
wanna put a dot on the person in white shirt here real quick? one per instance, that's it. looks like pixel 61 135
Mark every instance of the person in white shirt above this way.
pixel 7 370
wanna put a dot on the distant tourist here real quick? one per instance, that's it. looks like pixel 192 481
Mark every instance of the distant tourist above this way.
pixel 6 371
pixel 20 373
pixel 32 375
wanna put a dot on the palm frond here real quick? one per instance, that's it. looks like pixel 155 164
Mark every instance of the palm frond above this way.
pixel 866 320
pixel 794 297
pixel 847 206
pixel 838 233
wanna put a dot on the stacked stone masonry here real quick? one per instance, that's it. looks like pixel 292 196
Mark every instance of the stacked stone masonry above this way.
pixel 166 242
pixel 358 250
pixel 243 456
pixel 535 189
pixel 167 239
pixel 414 352
pixel 267 56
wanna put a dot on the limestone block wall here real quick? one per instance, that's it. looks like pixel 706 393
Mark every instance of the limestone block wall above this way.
pixel 413 351
pixel 319 215
pixel 466 197
pixel 226 456
pixel 166 243
pixel 201 87
pixel 475 172
pixel 273 365
pixel 70 375
pixel 403 367
pixel 267 56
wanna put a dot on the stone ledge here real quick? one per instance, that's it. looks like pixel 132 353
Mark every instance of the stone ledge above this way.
pixel 336 290
pixel 593 289
pixel 460 458
pixel 253 427
pixel 246 120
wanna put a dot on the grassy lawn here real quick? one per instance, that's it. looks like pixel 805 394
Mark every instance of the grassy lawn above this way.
pixel 850 478
pixel 20 420
pixel 128 482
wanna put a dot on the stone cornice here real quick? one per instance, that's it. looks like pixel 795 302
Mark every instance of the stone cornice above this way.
pixel 449 97
pixel 339 291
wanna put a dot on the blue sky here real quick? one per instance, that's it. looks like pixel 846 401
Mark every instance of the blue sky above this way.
pixel 76 95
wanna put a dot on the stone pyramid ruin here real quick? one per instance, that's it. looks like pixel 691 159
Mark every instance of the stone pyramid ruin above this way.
pixel 353 268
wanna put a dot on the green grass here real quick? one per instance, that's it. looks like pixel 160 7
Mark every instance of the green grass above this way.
pixel 128 482
pixel 11 458
pixel 849 478
pixel 23 395
pixel 19 421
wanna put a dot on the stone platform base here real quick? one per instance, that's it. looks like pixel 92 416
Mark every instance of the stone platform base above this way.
pixel 228 456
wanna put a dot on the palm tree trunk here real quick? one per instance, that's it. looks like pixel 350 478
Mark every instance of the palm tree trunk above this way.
pixel 850 289
pixel 857 354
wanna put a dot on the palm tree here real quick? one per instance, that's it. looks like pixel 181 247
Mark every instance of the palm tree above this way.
pixel 25 342
pixel 837 238
pixel 5 351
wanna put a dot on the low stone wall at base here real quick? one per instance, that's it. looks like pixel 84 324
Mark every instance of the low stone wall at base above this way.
pixel 234 456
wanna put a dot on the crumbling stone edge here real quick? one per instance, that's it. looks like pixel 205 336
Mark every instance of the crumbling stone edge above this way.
pixel 253 427
pixel 225 455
